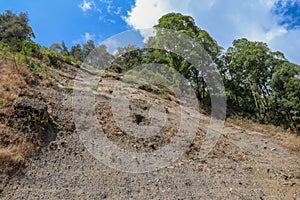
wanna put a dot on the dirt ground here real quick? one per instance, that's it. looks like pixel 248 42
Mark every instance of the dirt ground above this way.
pixel 244 164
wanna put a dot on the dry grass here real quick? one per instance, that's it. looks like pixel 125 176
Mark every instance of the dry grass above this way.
pixel 14 155
pixel 14 147
pixel 13 81
pixel 280 136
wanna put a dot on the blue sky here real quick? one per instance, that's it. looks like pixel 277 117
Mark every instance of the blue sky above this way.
pixel 276 22
pixel 73 21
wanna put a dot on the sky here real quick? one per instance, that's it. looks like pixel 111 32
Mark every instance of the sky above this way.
pixel 275 22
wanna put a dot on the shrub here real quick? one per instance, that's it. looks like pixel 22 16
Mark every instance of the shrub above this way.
pixel 30 48
pixel 53 58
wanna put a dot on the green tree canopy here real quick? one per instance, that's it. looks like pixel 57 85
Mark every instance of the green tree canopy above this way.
pixel 249 67
pixel 14 29
pixel 285 96
pixel 129 57
pixel 186 25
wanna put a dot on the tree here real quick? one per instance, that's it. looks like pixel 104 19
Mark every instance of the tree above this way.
pixel 129 57
pixel 65 50
pixel 56 47
pixel 249 70
pixel 60 48
pixel 178 22
pixel 285 96
pixel 14 29
pixel 186 25
pixel 88 47
pixel 76 52
pixel 98 57
pixel 81 52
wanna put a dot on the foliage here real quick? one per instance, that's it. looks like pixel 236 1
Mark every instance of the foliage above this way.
pixel 14 29
pixel 76 52
pixel 88 47
pixel 129 57
pixel 53 57
pixel 260 84
pixel 32 49
pixel 185 25
pixel 285 96
pixel 81 52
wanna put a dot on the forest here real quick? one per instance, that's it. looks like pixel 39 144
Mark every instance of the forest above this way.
pixel 261 84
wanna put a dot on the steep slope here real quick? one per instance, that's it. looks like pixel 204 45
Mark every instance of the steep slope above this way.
pixel 243 165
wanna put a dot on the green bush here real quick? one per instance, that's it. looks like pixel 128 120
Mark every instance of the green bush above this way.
pixel 30 48
pixel 53 58
pixel 4 51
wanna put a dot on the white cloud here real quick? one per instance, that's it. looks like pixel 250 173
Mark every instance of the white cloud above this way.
pixel 88 36
pixel 275 33
pixel 145 13
pixel 224 20
pixel 105 8
pixel 86 5
pixel 118 11
pixel 84 38
pixel 104 19
pixel 289 43
pixel 109 8
pixel 268 3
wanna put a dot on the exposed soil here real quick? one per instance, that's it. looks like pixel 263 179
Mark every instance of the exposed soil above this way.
pixel 245 164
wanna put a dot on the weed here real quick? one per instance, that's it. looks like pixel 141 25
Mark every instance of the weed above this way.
pixel 148 88
pixel 119 88
pixel 53 58
pixel 153 89
pixel 189 140
pixel 94 87
pixel 128 80
pixel 19 158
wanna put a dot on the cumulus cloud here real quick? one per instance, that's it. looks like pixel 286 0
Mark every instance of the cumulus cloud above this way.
pixel 138 18
pixel 86 5
pixel 224 20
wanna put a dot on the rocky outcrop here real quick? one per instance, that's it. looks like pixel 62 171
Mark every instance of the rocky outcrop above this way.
pixel 31 117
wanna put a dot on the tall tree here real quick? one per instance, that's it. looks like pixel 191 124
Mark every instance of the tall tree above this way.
pixel 65 49
pixel 76 52
pixel 81 52
pixel 56 47
pixel 186 25
pixel 88 47
pixel 285 96
pixel 98 57
pixel 14 29
pixel 249 70
pixel 129 56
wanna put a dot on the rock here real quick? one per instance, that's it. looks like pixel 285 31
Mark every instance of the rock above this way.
pixel 25 104
pixel 31 117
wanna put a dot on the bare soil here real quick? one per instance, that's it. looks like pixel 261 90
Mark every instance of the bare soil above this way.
pixel 246 163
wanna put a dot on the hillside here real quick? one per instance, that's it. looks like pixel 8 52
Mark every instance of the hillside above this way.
pixel 150 124
pixel 250 161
